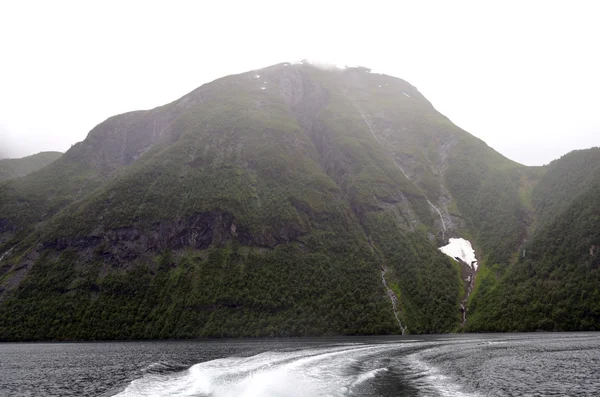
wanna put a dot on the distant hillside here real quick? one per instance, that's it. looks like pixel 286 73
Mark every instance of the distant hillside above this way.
pixel 564 180
pixel 16 168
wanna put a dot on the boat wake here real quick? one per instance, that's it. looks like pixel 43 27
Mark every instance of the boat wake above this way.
pixel 332 371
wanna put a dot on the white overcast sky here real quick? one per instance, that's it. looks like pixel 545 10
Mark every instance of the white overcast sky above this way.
pixel 524 76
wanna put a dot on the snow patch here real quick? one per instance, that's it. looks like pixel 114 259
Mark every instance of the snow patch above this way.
pixel 257 76
pixel 459 248
pixel 263 88
pixel 406 94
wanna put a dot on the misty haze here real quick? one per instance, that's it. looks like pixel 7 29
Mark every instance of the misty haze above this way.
pixel 315 199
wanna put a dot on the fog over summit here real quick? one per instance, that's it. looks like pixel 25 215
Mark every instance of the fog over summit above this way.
pixel 519 76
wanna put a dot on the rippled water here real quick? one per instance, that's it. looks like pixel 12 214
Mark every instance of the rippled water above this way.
pixel 458 365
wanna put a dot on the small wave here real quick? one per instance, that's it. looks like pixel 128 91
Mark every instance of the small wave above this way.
pixel 362 378
pixel 429 378
pixel 163 367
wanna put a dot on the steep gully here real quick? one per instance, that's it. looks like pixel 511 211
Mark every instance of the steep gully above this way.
pixel 471 275
pixel 463 302
pixel 462 252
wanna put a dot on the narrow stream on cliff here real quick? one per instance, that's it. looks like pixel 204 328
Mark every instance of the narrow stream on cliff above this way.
pixel 394 300
pixel 391 294
pixel 6 253
pixel 441 219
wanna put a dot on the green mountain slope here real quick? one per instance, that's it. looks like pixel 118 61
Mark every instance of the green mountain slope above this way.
pixel 290 200
pixel 554 285
pixel 16 168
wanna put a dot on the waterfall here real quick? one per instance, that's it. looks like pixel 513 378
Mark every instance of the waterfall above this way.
pixel 441 218
pixel 388 290
pixel 368 124
pixel 463 303
pixel 394 300
pixel 6 253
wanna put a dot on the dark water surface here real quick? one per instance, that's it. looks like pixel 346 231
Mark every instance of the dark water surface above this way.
pixel 558 364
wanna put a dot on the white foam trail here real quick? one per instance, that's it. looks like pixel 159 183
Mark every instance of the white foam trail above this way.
pixel 314 372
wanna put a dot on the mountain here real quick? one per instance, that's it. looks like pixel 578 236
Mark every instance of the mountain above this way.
pixel 290 200
pixel 16 168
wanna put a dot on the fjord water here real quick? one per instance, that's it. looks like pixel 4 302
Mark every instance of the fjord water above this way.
pixel 555 364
